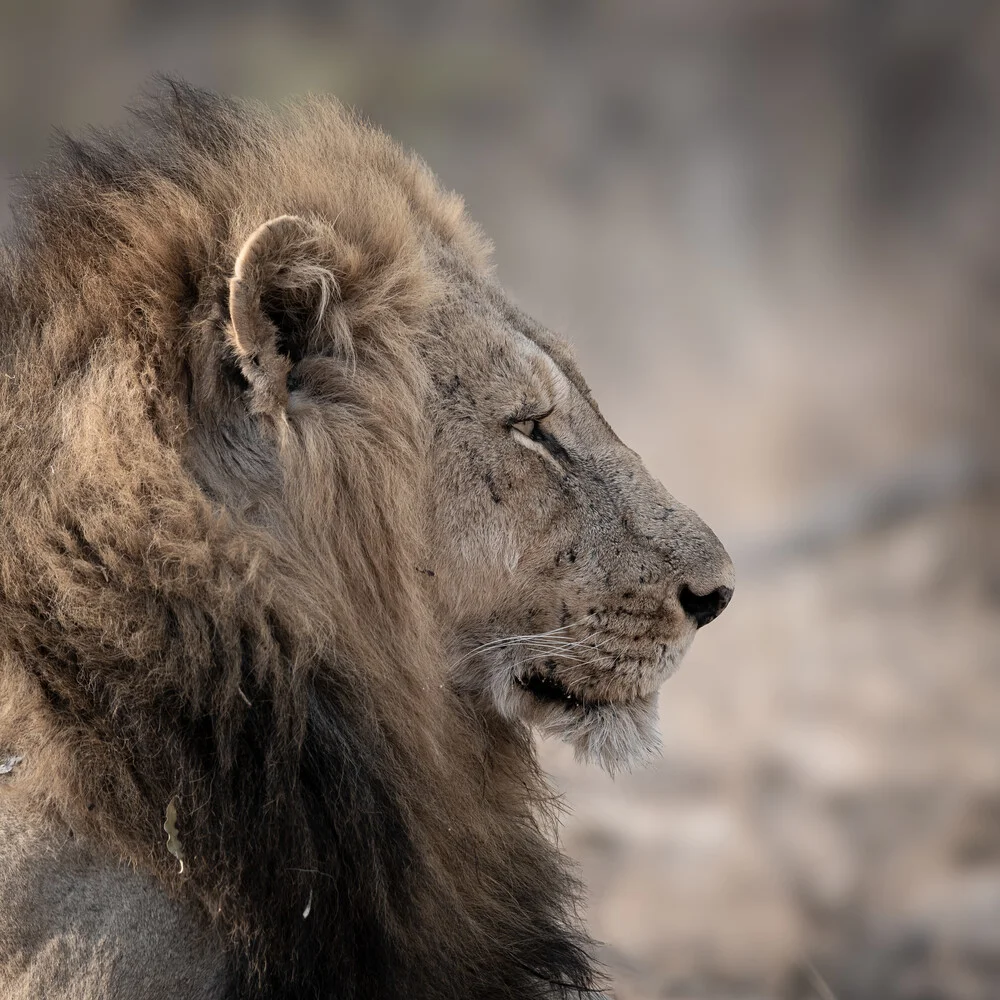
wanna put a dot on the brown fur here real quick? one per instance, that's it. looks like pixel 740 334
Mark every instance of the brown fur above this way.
pixel 234 477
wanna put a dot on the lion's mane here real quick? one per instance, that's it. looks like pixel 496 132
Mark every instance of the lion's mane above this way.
pixel 159 644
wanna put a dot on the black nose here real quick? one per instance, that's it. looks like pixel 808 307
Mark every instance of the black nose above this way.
pixel 703 609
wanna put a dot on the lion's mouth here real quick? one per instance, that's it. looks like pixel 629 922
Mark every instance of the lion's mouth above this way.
pixel 548 688
pixel 615 732
pixel 613 723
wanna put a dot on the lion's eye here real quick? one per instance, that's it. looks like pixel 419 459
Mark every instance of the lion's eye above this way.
pixel 531 434
pixel 529 428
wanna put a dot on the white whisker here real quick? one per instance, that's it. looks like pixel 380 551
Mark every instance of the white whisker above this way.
pixel 507 641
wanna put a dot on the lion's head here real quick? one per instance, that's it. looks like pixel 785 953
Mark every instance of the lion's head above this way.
pixel 303 524
pixel 566 581
pixel 572 582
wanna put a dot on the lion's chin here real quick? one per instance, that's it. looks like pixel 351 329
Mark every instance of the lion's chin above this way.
pixel 616 735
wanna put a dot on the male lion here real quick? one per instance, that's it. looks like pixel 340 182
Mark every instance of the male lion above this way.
pixel 302 525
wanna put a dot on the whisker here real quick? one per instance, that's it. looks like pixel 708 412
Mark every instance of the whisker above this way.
pixel 563 649
pixel 553 633
pixel 532 643
pixel 503 641
pixel 558 644
pixel 576 660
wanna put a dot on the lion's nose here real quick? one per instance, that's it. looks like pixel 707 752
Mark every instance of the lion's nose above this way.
pixel 704 608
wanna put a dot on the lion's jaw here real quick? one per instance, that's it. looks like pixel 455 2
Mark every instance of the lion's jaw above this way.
pixel 592 684
pixel 615 732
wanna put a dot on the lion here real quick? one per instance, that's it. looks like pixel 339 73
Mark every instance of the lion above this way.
pixel 304 529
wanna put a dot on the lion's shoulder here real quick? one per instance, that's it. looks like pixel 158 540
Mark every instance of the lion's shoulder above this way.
pixel 77 924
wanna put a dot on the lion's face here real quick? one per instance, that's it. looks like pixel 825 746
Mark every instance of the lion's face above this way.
pixel 566 580
pixel 576 581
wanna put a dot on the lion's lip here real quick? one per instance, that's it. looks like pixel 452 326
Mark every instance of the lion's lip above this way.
pixel 548 688
pixel 544 683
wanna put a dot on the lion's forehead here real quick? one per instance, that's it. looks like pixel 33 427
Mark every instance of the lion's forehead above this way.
pixel 487 345
pixel 541 374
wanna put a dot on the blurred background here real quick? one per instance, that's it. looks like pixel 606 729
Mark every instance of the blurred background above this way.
pixel 772 230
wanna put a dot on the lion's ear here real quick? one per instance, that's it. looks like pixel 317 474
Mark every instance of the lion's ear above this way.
pixel 278 294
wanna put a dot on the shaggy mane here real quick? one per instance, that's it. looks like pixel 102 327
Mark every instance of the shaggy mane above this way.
pixel 166 637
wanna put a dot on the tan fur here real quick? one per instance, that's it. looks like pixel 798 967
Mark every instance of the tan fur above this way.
pixel 274 547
